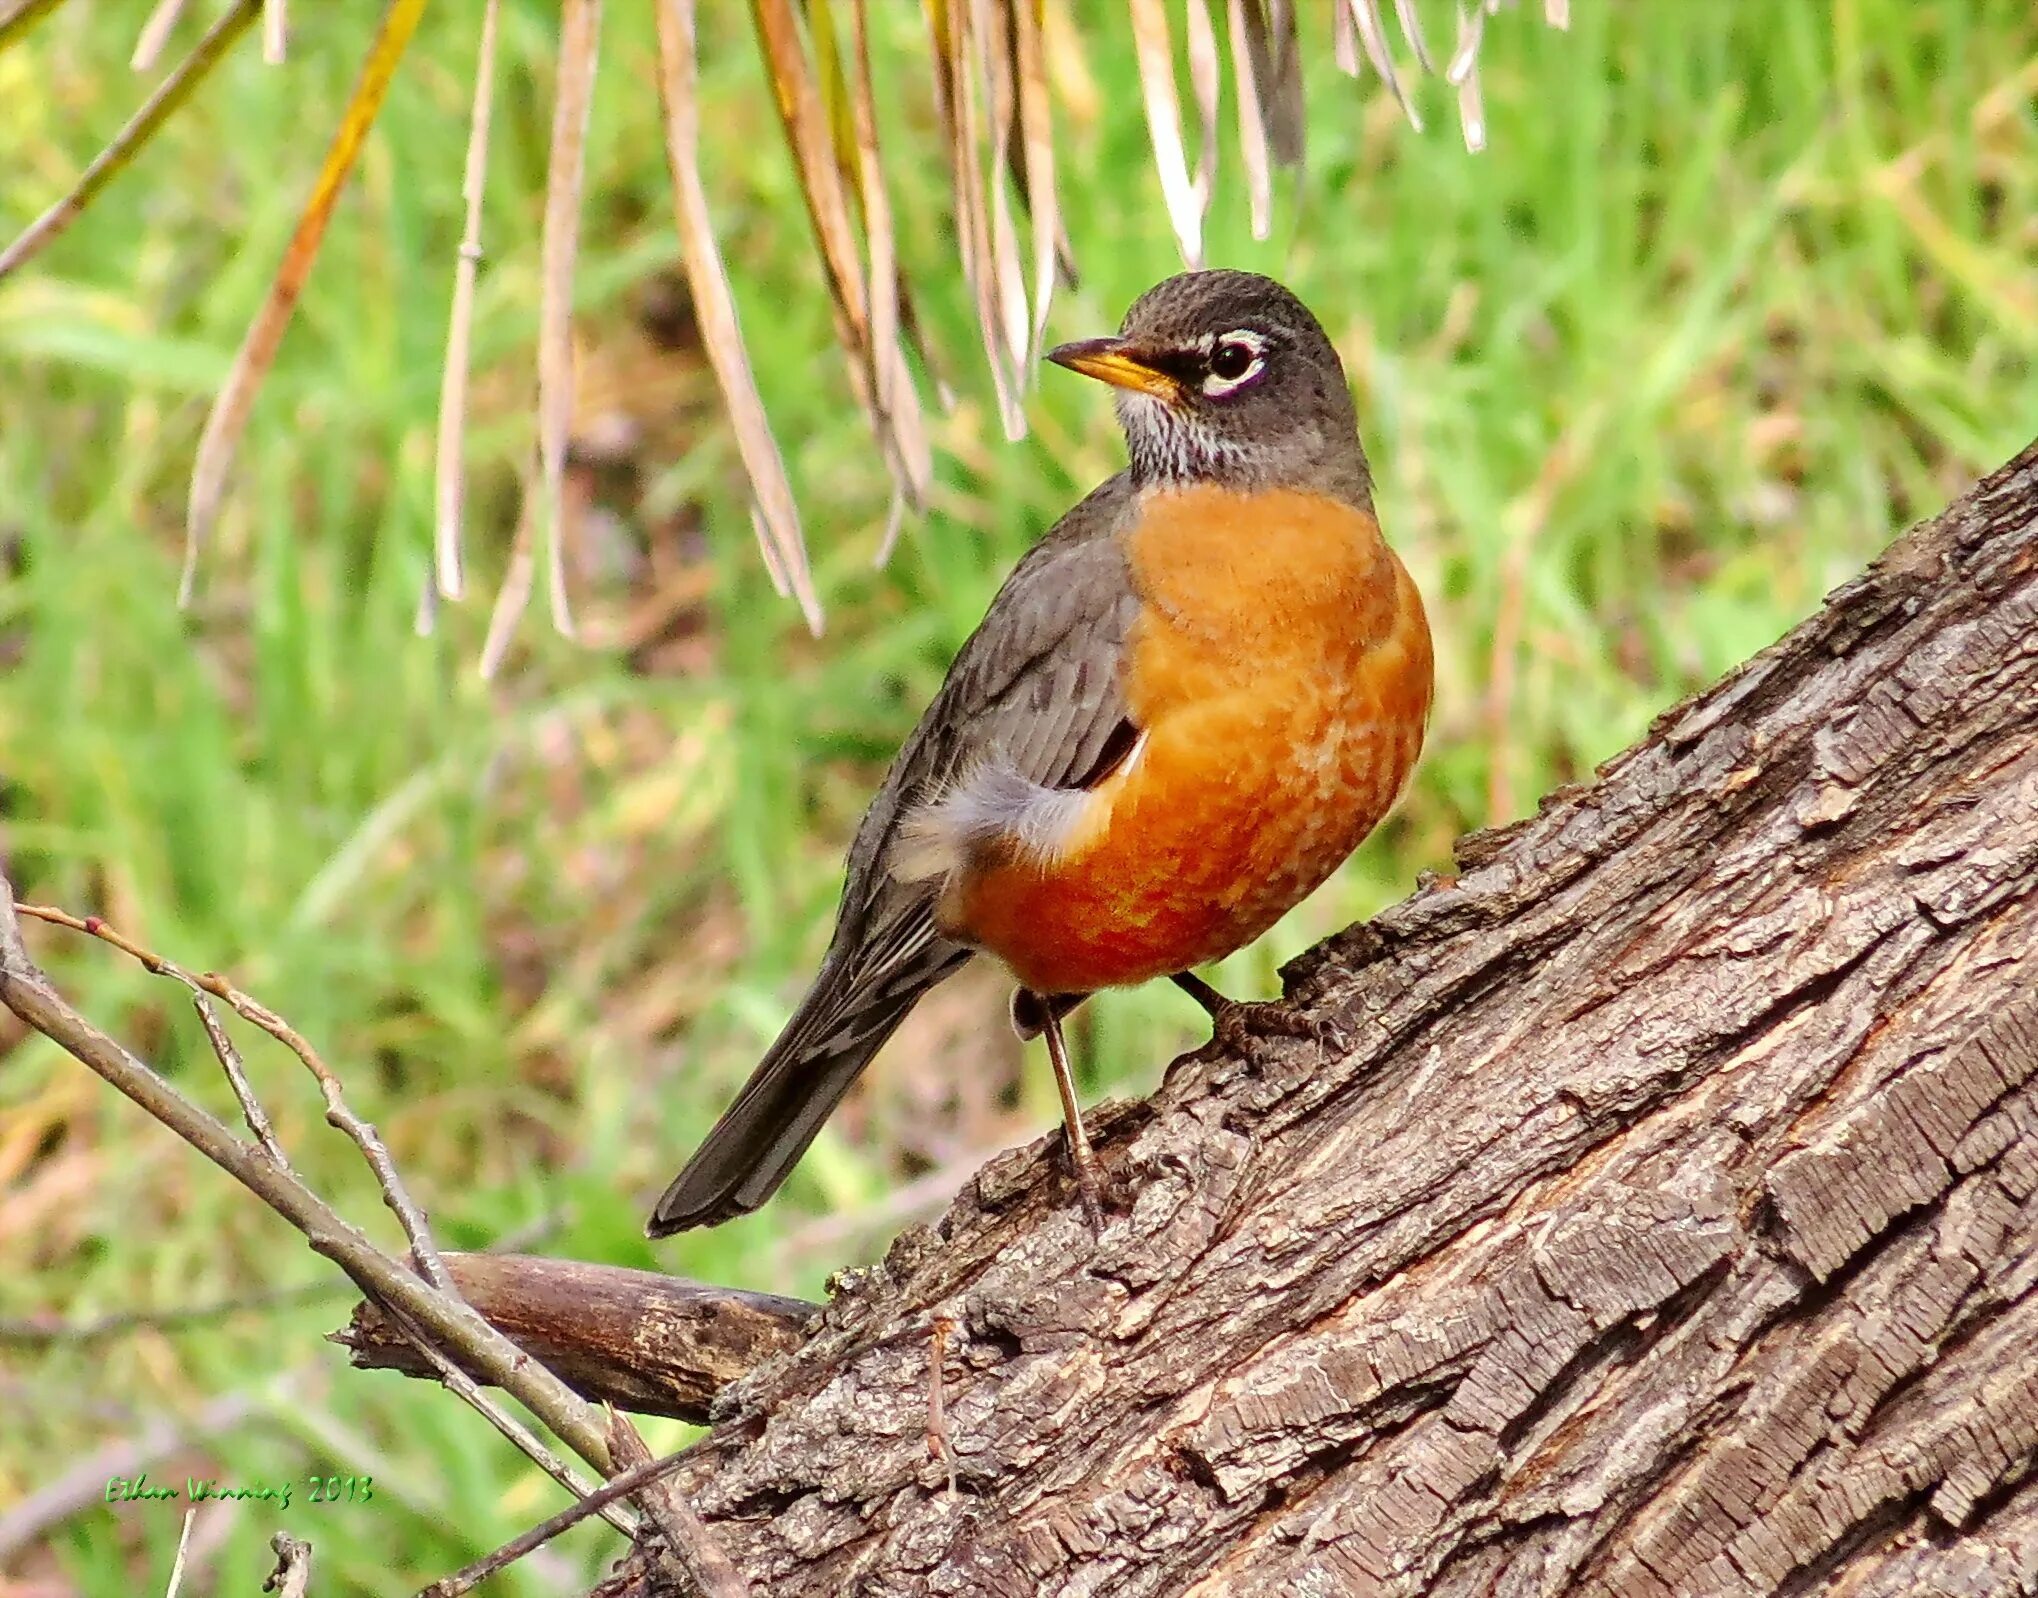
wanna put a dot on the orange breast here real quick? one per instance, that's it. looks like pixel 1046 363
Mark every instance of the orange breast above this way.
pixel 1281 671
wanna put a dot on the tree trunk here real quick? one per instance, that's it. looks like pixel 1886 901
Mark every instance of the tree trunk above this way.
pixel 1665 1220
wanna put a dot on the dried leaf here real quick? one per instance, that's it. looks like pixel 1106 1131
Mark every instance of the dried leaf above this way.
pixel 1036 130
pixel 1281 88
pixel 805 121
pixel 514 596
pixel 1242 18
pixel 148 44
pixel 572 101
pixel 1204 76
pixel 1373 34
pixel 806 130
pixel 450 460
pixel 126 144
pixel 1471 28
pixel 994 67
pixel 1411 30
pixel 18 18
pixel 1464 73
pixel 785 551
pixel 897 397
pixel 229 416
pixel 959 92
pixel 1156 52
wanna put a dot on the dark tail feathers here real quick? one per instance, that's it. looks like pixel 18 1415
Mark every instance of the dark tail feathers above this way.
pixel 753 1148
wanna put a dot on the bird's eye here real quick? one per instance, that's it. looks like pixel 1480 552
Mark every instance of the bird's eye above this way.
pixel 1230 361
pixel 1235 360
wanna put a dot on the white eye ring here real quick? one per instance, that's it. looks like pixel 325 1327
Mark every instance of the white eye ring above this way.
pixel 1216 385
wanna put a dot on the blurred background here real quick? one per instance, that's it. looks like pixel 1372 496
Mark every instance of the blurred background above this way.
pixel 1737 292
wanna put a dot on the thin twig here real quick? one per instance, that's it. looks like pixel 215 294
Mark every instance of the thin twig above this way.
pixel 338 1114
pixel 237 1075
pixel 275 31
pixel 177 1565
pixel 476 1344
pixel 471 1576
pixel 526 1441
pixel 686 1538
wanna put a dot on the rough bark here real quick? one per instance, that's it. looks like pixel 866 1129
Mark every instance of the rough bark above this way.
pixel 1668 1225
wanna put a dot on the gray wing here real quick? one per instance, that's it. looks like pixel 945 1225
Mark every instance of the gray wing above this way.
pixel 1038 683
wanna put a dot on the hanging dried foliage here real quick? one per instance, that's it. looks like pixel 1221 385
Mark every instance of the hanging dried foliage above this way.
pixel 989 64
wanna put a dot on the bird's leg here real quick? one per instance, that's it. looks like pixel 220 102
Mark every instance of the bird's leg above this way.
pixel 1080 1154
pixel 1236 1023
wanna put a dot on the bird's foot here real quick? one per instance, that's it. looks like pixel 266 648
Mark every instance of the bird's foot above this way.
pixel 1239 1024
pixel 1089 1183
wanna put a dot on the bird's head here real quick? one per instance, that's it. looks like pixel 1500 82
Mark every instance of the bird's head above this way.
pixel 1225 378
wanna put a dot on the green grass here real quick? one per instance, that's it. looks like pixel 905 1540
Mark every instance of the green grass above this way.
pixel 1738 291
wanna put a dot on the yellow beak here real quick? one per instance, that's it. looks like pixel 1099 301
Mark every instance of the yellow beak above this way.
pixel 1110 360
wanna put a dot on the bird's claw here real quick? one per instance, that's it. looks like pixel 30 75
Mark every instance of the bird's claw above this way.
pixel 1240 1024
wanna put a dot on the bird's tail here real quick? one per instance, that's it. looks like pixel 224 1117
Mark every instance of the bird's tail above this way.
pixel 843 1021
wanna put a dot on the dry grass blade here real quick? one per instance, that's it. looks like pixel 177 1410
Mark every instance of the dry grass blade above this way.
pixel 450 467
pixel 1252 122
pixel 958 81
pixel 806 129
pixel 148 44
pixel 572 101
pixel 515 592
pixel 1036 142
pixel 18 18
pixel 1344 39
pixel 141 127
pixel 1205 77
pixel 994 63
pixel 1464 73
pixel 275 31
pixel 1156 52
pixel 229 417
pixel 1373 34
pixel 897 397
pixel 715 308
pixel 1411 30
pixel 1281 87
pixel 804 117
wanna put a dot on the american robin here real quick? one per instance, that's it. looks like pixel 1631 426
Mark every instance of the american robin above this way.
pixel 1186 706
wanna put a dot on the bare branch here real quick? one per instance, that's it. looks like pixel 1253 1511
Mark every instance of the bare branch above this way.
pixel 621 1486
pixel 657 1345
pixel 237 1075
pixel 686 1538
pixel 25 991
